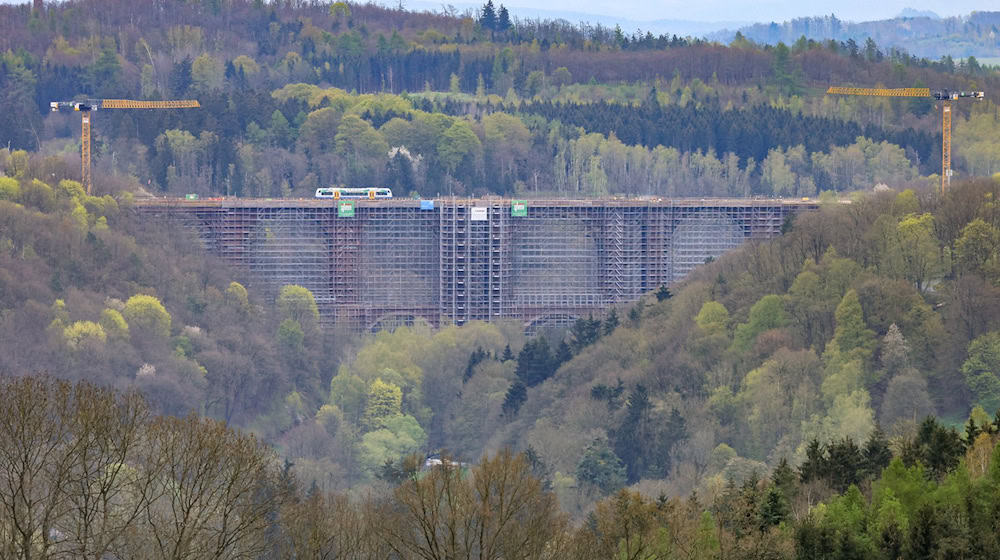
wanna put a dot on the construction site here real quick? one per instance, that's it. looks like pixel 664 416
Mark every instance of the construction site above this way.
pixel 374 264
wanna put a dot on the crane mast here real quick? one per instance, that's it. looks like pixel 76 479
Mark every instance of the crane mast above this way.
pixel 941 95
pixel 87 107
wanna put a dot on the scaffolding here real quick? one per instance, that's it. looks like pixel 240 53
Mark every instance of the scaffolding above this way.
pixel 382 263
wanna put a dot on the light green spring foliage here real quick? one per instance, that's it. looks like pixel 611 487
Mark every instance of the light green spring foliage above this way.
pixel 147 313
pixel 236 296
pixel 919 249
pixel 712 318
pixel 766 314
pixel 399 436
pixel 83 333
pixel 10 189
pixel 976 249
pixel 297 303
pixel 852 336
pixel 114 324
pixel 384 401
pixel 290 335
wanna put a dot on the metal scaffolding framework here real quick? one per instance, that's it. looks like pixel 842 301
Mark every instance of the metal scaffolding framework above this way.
pixel 375 264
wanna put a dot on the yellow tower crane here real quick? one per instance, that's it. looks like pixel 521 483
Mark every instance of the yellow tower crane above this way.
pixel 86 107
pixel 942 95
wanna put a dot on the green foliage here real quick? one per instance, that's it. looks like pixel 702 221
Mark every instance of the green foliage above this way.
pixel 399 436
pixel 601 468
pixel 982 370
pixel 713 318
pixel 237 296
pixel 297 303
pixel 148 314
pixel 81 334
pixel 852 335
pixel 768 313
pixel 10 189
pixel 290 336
pixel 114 324
pixel 384 402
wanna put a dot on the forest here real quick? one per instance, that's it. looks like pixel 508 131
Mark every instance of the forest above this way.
pixel 832 393
pixel 300 95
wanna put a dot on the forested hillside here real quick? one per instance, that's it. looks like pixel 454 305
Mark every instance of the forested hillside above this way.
pixel 299 95
pixel 974 35
pixel 776 405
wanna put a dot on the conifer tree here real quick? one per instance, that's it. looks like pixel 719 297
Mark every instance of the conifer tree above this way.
pixel 488 16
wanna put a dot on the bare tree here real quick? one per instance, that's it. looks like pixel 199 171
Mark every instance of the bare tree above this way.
pixel 214 497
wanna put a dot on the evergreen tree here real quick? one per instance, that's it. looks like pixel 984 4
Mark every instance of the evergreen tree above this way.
pixel 180 77
pixel 601 468
pixel 663 293
pixel 488 16
pixel 585 332
pixel 774 510
pixel 815 465
pixel 610 322
pixel 534 362
pixel 876 453
pixel 784 479
pixel 563 354
pixel 515 397
pixel 507 354
pixel 503 19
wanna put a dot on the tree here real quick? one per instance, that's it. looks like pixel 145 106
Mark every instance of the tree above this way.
pixel 457 144
pixel 215 497
pixel 515 397
pixel 906 398
pixel 976 249
pixel 921 257
pixel 767 313
pixel 534 362
pixel 297 303
pixel 399 436
pixel 851 334
pixel 147 314
pixel 624 525
pixel 982 370
pixel 663 293
pixel 488 16
pixel 180 79
pixel 601 468
pixel 385 401
pixel 69 489
pixel 497 509
pixel 503 19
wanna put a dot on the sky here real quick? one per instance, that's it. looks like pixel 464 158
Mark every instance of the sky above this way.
pixel 732 10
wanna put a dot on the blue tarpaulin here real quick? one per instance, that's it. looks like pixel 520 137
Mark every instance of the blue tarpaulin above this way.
pixel 426 204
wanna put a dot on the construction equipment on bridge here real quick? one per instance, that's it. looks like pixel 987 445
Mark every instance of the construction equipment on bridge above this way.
pixel 86 107
pixel 941 95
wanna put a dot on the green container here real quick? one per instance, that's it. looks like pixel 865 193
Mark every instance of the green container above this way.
pixel 345 209
pixel 191 196
pixel 519 208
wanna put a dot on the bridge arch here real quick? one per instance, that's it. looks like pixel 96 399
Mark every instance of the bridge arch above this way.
pixel 546 320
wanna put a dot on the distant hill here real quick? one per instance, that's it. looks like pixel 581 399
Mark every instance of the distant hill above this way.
pixel 912 13
pixel 920 33
pixel 679 27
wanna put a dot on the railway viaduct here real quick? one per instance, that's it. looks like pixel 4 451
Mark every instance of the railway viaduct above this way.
pixel 377 263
